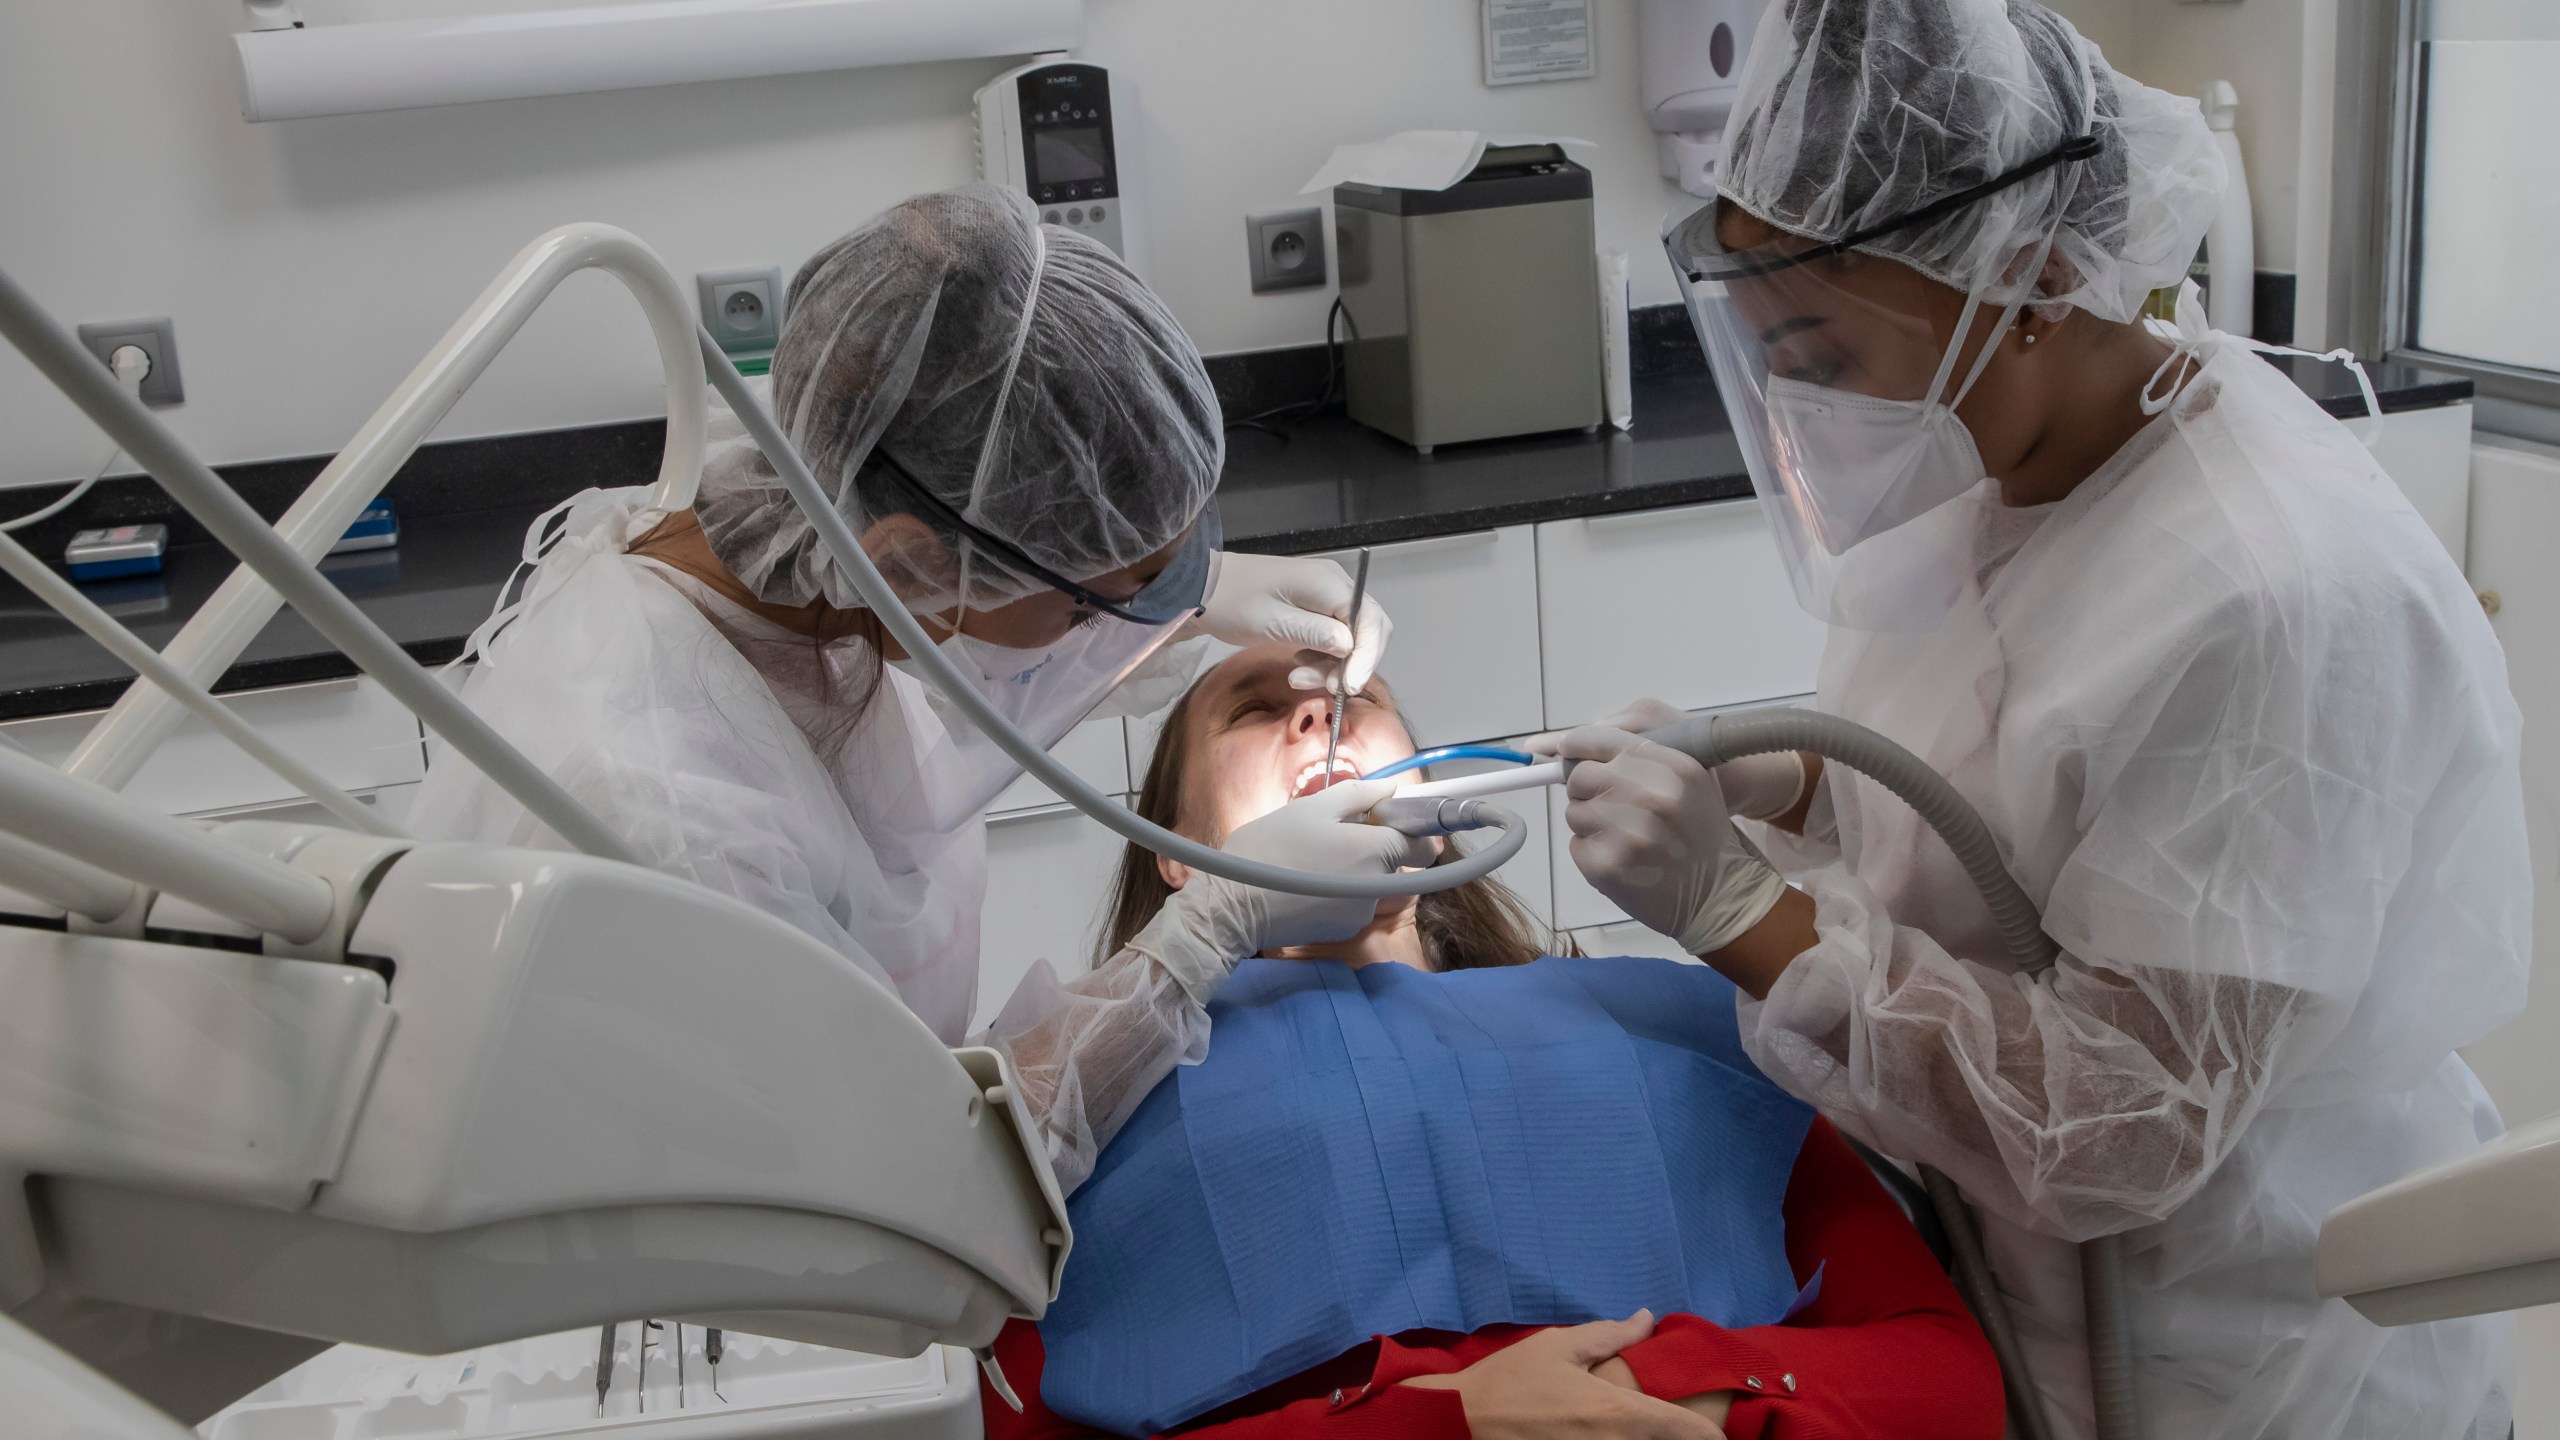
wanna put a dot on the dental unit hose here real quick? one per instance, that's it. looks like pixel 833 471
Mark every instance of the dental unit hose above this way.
pixel 846 550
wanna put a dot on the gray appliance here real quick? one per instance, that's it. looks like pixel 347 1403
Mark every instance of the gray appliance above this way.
pixel 1474 312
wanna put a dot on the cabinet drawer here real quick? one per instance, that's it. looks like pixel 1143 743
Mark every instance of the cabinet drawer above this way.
pixel 1095 750
pixel 2428 454
pixel 1049 874
pixel 351 731
pixel 1463 661
pixel 1691 606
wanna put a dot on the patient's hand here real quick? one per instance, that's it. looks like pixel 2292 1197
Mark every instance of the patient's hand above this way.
pixel 1714 1404
pixel 1546 1386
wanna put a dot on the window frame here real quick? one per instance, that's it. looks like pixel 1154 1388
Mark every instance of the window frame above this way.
pixel 2374 213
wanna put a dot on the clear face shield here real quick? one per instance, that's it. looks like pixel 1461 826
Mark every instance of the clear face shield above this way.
pixel 1842 395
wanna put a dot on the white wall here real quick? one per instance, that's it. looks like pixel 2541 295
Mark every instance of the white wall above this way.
pixel 308 264
pixel 2281 55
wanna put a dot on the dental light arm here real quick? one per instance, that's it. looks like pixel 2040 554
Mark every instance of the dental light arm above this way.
pixel 846 549
pixel 102 829
pixel 148 663
pixel 73 887
pixel 78 375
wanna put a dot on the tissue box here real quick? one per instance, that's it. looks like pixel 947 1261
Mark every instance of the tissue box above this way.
pixel 1471 310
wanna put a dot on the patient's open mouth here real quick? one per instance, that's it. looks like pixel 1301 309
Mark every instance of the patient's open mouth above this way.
pixel 1314 777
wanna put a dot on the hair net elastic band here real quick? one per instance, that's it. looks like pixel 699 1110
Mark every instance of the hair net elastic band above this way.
pixel 1012 359
pixel 2087 145
pixel 2074 151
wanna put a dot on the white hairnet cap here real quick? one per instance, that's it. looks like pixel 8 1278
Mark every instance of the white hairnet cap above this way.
pixel 899 338
pixel 1857 112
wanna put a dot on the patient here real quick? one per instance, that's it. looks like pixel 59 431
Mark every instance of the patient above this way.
pixel 1295 1230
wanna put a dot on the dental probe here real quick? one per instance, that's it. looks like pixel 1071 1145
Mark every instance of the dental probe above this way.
pixel 604 1365
pixel 1342 680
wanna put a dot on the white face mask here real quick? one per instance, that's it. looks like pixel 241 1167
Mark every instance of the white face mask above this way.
pixel 1869 465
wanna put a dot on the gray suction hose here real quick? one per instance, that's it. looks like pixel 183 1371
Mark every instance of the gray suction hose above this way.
pixel 846 550
pixel 1715 739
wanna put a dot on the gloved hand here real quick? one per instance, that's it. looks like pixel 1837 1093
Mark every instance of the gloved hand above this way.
pixel 1301 601
pixel 1210 924
pixel 1651 832
pixel 1756 787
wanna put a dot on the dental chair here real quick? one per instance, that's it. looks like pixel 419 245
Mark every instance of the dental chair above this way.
pixel 268 1086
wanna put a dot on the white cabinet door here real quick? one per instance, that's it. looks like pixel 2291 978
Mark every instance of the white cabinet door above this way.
pixel 1578 906
pixel 2428 453
pixel 1049 873
pixel 1097 751
pixel 1689 606
pixel 2515 512
pixel 351 731
pixel 1529 874
pixel 1463 662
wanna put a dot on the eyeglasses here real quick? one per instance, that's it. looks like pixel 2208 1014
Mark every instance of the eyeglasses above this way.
pixel 1708 259
pixel 1174 593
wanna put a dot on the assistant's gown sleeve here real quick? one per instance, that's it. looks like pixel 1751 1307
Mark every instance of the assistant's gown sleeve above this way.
pixel 1886 1348
pixel 1086 1051
pixel 2263 839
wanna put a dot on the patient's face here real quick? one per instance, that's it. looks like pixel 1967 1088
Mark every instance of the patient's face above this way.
pixel 1256 744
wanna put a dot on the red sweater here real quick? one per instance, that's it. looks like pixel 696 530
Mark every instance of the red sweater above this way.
pixel 1887 1348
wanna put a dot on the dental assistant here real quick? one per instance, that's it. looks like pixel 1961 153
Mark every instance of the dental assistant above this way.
pixel 2238 723
pixel 1028 446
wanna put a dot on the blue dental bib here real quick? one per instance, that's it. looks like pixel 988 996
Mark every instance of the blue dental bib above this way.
pixel 1374 1151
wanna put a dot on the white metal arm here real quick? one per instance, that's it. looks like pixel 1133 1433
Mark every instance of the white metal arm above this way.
pixel 106 832
pixel 119 744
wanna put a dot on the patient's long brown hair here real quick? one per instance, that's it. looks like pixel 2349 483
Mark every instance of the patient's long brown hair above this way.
pixel 1473 927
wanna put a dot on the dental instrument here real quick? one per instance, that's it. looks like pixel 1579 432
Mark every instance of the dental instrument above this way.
pixel 712 1344
pixel 1341 683
pixel 604 1364
pixel 1492 782
pixel 1424 758
pixel 1422 816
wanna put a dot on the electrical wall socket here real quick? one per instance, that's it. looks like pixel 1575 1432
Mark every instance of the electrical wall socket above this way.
pixel 1287 249
pixel 742 308
pixel 158 339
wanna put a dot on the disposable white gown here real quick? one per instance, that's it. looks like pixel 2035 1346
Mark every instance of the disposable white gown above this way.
pixel 2247 738
pixel 685 722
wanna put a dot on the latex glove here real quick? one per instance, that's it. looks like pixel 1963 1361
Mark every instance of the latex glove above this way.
pixel 1210 924
pixel 1757 787
pixel 1651 832
pixel 1642 718
pixel 1542 1387
pixel 1302 601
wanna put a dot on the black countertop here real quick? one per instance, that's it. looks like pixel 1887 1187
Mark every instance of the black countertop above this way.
pixel 1328 485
